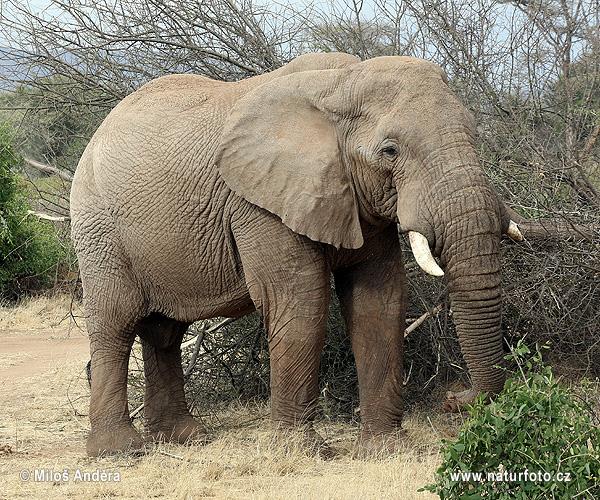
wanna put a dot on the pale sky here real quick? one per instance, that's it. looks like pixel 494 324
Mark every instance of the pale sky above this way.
pixel 39 4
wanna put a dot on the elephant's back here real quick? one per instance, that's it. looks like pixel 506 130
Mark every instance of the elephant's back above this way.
pixel 157 143
pixel 148 172
pixel 177 93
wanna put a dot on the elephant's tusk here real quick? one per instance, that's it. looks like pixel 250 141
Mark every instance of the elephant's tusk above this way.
pixel 513 231
pixel 422 253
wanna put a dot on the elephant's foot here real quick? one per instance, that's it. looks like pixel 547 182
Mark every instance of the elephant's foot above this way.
pixel 456 401
pixel 303 438
pixel 380 446
pixel 113 439
pixel 182 430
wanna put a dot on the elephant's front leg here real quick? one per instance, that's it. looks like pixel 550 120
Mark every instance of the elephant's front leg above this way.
pixel 290 283
pixel 373 302
pixel 296 333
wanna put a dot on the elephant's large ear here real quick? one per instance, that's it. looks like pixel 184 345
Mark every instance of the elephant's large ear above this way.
pixel 280 151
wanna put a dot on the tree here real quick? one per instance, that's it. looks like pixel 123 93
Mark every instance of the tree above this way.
pixel 80 57
pixel 515 64
pixel 28 252
pixel 54 134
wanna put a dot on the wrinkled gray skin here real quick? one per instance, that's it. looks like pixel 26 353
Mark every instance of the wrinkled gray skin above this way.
pixel 198 198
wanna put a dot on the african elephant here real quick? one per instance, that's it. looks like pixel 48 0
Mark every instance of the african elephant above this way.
pixel 197 198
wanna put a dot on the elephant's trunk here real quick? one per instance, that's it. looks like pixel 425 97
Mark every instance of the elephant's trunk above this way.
pixel 467 222
pixel 472 267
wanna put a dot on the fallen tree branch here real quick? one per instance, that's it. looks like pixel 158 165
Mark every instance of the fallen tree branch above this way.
pixel 550 229
pixel 48 217
pixel 214 328
pixel 192 363
pixel 418 322
pixel 49 169
pixel 136 411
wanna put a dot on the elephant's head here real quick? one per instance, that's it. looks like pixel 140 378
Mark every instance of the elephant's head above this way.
pixel 380 141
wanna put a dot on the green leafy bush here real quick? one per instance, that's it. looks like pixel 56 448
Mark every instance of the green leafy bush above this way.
pixel 28 248
pixel 536 440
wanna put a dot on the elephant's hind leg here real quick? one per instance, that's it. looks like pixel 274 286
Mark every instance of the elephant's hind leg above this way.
pixel 113 305
pixel 111 339
pixel 165 407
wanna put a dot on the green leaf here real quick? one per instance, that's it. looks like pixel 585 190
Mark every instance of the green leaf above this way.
pixel 541 427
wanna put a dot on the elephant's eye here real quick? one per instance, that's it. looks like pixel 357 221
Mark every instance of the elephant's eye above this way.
pixel 389 151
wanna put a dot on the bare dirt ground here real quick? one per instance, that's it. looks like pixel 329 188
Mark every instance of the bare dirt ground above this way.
pixel 43 425
pixel 31 353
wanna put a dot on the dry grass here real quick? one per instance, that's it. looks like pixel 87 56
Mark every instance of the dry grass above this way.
pixel 241 463
pixel 40 313
pixel 43 424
